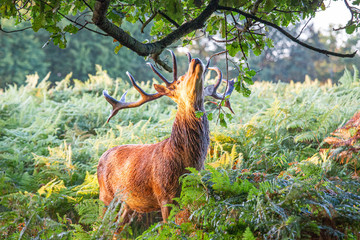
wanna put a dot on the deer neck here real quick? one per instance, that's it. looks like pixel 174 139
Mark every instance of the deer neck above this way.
pixel 190 135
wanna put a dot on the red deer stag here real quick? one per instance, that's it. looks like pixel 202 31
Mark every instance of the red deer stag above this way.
pixel 148 175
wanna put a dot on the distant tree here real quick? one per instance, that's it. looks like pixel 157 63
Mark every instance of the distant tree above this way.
pixel 286 61
pixel 241 24
pixel 19 58
pixel 84 50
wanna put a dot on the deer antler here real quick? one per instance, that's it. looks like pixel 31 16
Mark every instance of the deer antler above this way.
pixel 118 105
pixel 145 97
pixel 168 84
pixel 211 90
pixel 189 56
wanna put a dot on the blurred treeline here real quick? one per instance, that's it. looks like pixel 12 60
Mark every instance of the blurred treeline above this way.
pixel 289 61
pixel 26 52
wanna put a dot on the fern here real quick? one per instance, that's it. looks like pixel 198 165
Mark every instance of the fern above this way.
pixel 248 235
pixel 89 211
pixel 347 79
pixel 51 138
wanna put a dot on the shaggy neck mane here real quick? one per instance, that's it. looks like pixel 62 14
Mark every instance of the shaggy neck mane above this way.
pixel 190 136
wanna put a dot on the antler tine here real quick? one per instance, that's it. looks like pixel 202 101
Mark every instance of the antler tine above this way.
pixel 211 89
pixel 114 103
pixel 168 84
pixel 189 56
pixel 218 81
pixel 118 105
pixel 230 88
pixel 136 86
pixel 174 65
pixel 145 97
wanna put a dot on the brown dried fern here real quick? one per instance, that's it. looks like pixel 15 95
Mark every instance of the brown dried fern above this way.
pixel 345 142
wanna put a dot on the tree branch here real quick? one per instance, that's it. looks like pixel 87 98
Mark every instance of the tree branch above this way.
pixel 75 22
pixel 84 1
pixel 147 22
pixel 223 41
pixel 302 29
pixel 145 49
pixel 354 13
pixel 169 19
pixel 288 35
pixel 13 31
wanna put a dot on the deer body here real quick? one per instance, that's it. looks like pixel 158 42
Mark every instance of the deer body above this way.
pixel 147 176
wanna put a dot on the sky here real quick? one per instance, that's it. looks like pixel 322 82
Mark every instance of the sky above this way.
pixel 336 13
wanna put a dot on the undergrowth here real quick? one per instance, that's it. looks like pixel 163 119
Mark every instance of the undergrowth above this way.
pixel 265 177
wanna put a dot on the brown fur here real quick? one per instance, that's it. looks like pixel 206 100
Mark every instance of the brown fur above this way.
pixel 148 175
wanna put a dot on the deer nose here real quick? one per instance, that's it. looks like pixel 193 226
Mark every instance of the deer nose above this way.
pixel 195 60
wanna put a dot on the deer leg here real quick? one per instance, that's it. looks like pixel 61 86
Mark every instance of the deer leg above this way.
pixel 165 210
pixel 126 215
pixel 125 218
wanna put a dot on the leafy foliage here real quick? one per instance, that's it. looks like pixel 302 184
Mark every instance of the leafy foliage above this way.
pixel 263 179
pixel 242 25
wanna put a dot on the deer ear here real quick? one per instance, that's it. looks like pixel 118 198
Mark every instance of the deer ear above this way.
pixel 162 89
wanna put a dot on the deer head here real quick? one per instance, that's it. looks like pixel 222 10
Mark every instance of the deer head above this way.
pixel 187 91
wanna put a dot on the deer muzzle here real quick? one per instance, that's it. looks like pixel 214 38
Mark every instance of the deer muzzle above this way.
pixel 195 67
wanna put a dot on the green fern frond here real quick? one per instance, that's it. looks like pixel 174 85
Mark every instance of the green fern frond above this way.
pixel 305 137
pixel 248 235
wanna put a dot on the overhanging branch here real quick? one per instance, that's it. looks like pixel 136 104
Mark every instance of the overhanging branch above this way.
pixel 288 35
pixel 146 49
pixel 13 31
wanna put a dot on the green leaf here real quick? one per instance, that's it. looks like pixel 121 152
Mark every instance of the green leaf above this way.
pixel 185 42
pixel 257 51
pixel 210 116
pixel 238 83
pixel 244 90
pixel 251 73
pixel 350 29
pixel 174 9
pixel 38 22
pixel 245 48
pixel 222 120
pixel 117 48
pixel 229 116
pixel 248 80
pixel 199 114
pixel 233 48
pixel 323 7
pixel 62 44
pixel 269 42
pixel 71 29
pixel 269 5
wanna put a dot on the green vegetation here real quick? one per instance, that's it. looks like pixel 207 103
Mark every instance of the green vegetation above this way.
pixel 84 51
pixel 242 27
pixel 265 177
